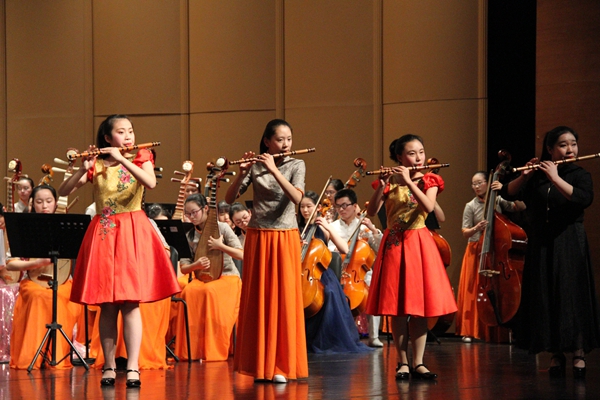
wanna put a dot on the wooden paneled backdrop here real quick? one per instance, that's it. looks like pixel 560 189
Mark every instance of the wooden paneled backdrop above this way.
pixel 205 76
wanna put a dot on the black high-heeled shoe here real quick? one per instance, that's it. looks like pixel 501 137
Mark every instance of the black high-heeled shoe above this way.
pixel 577 371
pixel 133 383
pixel 423 375
pixel 108 381
pixel 402 376
pixel 558 370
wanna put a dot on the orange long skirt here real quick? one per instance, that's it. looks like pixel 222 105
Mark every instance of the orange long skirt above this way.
pixel 155 322
pixel 213 310
pixel 271 337
pixel 467 317
pixel 33 310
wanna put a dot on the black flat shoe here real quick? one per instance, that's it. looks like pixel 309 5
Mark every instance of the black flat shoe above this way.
pixel 578 372
pixel 402 376
pixel 558 370
pixel 108 381
pixel 133 383
pixel 423 375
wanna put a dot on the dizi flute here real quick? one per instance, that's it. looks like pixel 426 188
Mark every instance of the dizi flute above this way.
pixel 415 168
pixel 72 155
pixel 278 155
pixel 567 160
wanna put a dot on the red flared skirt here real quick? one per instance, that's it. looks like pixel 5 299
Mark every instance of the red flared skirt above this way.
pixel 122 262
pixel 409 277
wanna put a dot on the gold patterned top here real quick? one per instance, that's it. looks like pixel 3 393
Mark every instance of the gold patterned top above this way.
pixel 402 209
pixel 116 190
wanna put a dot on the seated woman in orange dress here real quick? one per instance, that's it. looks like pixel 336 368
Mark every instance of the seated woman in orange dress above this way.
pixel 213 306
pixel 9 287
pixel 33 308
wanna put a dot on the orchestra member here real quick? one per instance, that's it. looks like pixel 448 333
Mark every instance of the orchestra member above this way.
pixel 33 308
pixel 559 310
pixel 468 324
pixel 271 338
pixel 409 278
pixel 213 306
pixel 122 261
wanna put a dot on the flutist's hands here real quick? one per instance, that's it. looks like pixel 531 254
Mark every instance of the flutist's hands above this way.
pixel 245 166
pixel 527 172
pixel 550 169
pixel 114 152
pixel 89 161
pixel 268 161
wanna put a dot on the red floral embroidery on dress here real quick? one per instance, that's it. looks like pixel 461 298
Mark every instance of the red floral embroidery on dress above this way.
pixel 125 179
pixel 106 222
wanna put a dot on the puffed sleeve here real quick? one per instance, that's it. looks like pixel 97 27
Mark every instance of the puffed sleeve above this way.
pixel 375 186
pixel 432 180
pixel 142 156
pixel 90 173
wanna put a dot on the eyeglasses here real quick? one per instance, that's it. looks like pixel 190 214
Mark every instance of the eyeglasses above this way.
pixel 478 183
pixel 192 213
pixel 329 192
pixel 342 206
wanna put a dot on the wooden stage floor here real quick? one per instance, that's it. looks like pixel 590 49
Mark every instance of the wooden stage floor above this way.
pixel 466 371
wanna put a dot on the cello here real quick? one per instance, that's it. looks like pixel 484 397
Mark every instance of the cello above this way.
pixel 355 266
pixel 501 251
pixel 315 258
pixel 360 257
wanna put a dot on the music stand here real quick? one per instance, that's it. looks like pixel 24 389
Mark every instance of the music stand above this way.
pixel 42 236
pixel 174 232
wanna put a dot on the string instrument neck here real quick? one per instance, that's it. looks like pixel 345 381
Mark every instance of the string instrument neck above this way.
pixel 312 229
pixel 188 168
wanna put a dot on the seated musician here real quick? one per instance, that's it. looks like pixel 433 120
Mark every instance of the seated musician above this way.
pixel 33 308
pixel 24 189
pixel 332 329
pixel 213 306
pixel 346 204
pixel 240 216
pixel 9 287
pixel 224 210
